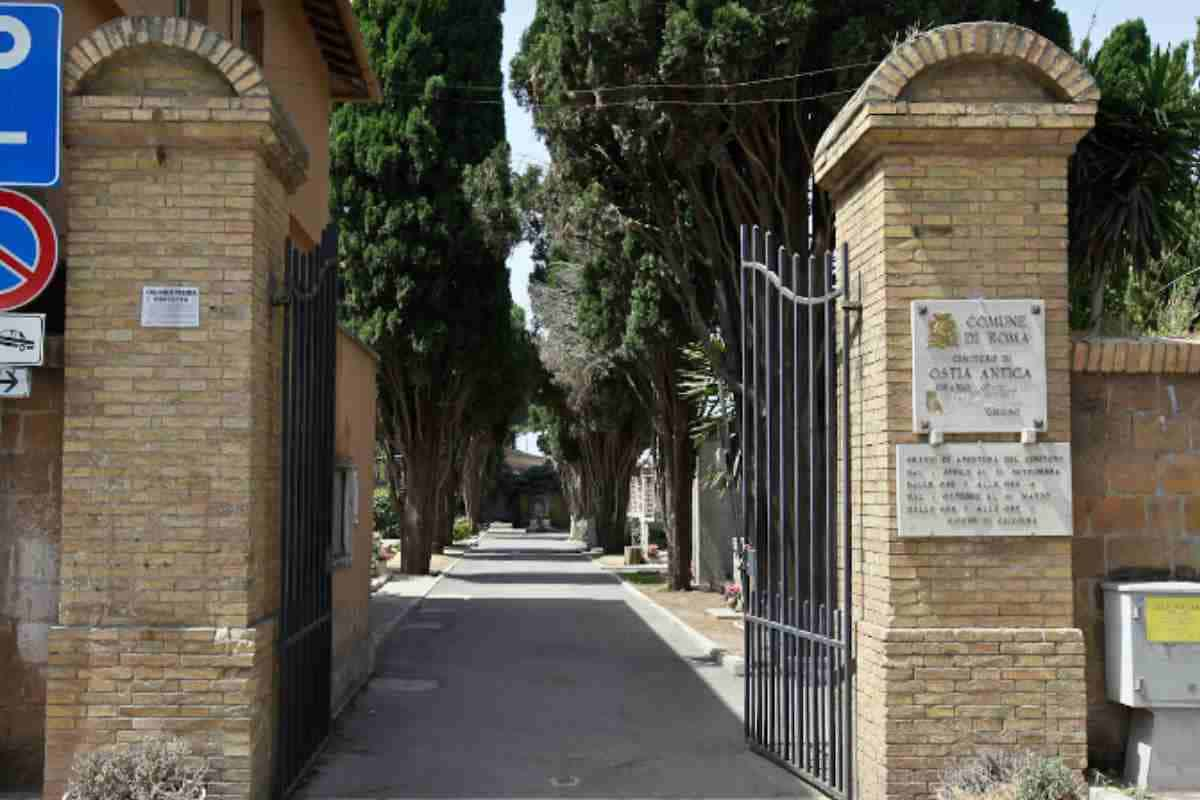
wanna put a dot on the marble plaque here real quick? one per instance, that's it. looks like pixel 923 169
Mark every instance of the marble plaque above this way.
pixel 979 366
pixel 984 489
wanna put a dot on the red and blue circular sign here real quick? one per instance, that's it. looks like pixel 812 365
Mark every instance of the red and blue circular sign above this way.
pixel 28 250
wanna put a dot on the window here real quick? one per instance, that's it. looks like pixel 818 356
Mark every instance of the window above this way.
pixel 192 9
pixel 252 29
pixel 345 514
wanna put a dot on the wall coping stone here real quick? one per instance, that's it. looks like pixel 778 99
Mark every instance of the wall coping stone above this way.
pixel 254 103
pixel 1135 356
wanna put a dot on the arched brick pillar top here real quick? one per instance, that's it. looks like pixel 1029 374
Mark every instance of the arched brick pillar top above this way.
pixel 122 35
pixel 976 54
pixel 972 41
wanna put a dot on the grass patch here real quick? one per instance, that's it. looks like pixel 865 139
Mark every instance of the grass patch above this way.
pixel 644 578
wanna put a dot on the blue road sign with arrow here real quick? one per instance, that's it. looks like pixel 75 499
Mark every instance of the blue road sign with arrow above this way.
pixel 31 85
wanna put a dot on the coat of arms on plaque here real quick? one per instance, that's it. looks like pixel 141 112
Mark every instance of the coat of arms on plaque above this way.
pixel 943 331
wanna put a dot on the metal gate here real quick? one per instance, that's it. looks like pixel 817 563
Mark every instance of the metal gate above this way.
pixel 797 564
pixel 305 642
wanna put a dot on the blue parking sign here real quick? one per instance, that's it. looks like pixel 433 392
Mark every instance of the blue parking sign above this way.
pixel 31 85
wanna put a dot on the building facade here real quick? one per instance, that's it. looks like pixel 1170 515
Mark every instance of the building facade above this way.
pixel 140 504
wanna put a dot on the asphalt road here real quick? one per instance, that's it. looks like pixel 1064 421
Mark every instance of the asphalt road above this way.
pixel 528 673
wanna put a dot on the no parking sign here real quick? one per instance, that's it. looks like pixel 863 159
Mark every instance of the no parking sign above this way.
pixel 28 250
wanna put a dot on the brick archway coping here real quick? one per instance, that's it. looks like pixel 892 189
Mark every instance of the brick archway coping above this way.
pixel 212 121
pixel 238 66
pixel 1075 88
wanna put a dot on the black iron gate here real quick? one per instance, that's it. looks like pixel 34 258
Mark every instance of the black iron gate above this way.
pixel 305 642
pixel 797 562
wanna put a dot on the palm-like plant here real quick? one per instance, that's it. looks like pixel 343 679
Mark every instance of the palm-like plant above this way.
pixel 1129 174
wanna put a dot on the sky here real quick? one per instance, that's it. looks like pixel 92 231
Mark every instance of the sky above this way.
pixel 1167 20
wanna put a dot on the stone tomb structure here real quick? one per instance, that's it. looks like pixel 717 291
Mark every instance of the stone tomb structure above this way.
pixel 948 171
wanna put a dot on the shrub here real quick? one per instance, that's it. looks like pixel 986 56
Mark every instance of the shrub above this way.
pixel 462 528
pixel 155 769
pixel 1004 775
pixel 983 775
pixel 1049 779
pixel 658 534
pixel 387 521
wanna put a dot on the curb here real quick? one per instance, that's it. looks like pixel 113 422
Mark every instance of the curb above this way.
pixel 726 660
pixel 376 638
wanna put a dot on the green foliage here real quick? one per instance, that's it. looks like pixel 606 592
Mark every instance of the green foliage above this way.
pixel 983 775
pixel 1160 300
pixel 1134 175
pixel 462 529
pixel 421 191
pixel 387 521
pixel 1009 775
pixel 678 163
pixel 1049 779
pixel 422 195
pixel 158 768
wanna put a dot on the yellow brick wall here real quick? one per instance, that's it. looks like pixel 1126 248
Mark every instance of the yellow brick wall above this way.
pixel 962 643
pixel 156 489
pixel 114 686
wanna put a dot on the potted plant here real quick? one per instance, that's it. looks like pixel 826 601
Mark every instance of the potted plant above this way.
pixel 733 595
pixel 158 768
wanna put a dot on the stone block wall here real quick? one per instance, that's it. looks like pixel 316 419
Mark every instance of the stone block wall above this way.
pixel 1135 413
pixel 30 539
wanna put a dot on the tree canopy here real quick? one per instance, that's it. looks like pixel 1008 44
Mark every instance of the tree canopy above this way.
pixel 1133 176
pixel 422 195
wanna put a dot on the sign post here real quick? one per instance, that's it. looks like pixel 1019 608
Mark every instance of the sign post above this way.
pixel 31 83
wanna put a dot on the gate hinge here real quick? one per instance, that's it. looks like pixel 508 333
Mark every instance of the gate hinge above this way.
pixel 278 293
pixel 853 298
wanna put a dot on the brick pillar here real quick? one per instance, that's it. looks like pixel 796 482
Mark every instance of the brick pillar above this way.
pixel 948 171
pixel 170 475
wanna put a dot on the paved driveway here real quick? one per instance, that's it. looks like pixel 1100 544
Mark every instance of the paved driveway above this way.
pixel 527 673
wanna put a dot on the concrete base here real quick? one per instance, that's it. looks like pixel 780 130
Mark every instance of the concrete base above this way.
pixel 1161 753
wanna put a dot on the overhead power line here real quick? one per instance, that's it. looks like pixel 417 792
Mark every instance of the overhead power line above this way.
pixel 492 89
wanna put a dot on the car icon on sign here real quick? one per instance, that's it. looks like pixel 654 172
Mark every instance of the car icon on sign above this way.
pixel 15 339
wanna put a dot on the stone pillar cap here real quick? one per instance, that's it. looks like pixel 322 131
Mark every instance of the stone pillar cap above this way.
pixel 881 101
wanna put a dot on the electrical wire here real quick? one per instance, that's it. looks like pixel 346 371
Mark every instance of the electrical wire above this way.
pixel 492 89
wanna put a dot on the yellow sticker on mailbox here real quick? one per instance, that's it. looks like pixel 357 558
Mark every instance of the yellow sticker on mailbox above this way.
pixel 1173 619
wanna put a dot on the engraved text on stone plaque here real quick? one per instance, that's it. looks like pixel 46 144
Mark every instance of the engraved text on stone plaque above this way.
pixel 984 489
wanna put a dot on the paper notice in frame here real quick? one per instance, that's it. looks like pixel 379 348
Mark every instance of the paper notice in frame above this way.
pixel 170 307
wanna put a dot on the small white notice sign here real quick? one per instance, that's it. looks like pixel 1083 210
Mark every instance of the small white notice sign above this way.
pixel 984 489
pixel 22 339
pixel 14 382
pixel 979 365
pixel 170 307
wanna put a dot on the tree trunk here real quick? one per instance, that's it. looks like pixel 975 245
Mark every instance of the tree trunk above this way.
pixel 608 463
pixel 478 450
pixel 679 469
pixel 420 517
pixel 1099 283
pixel 677 466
